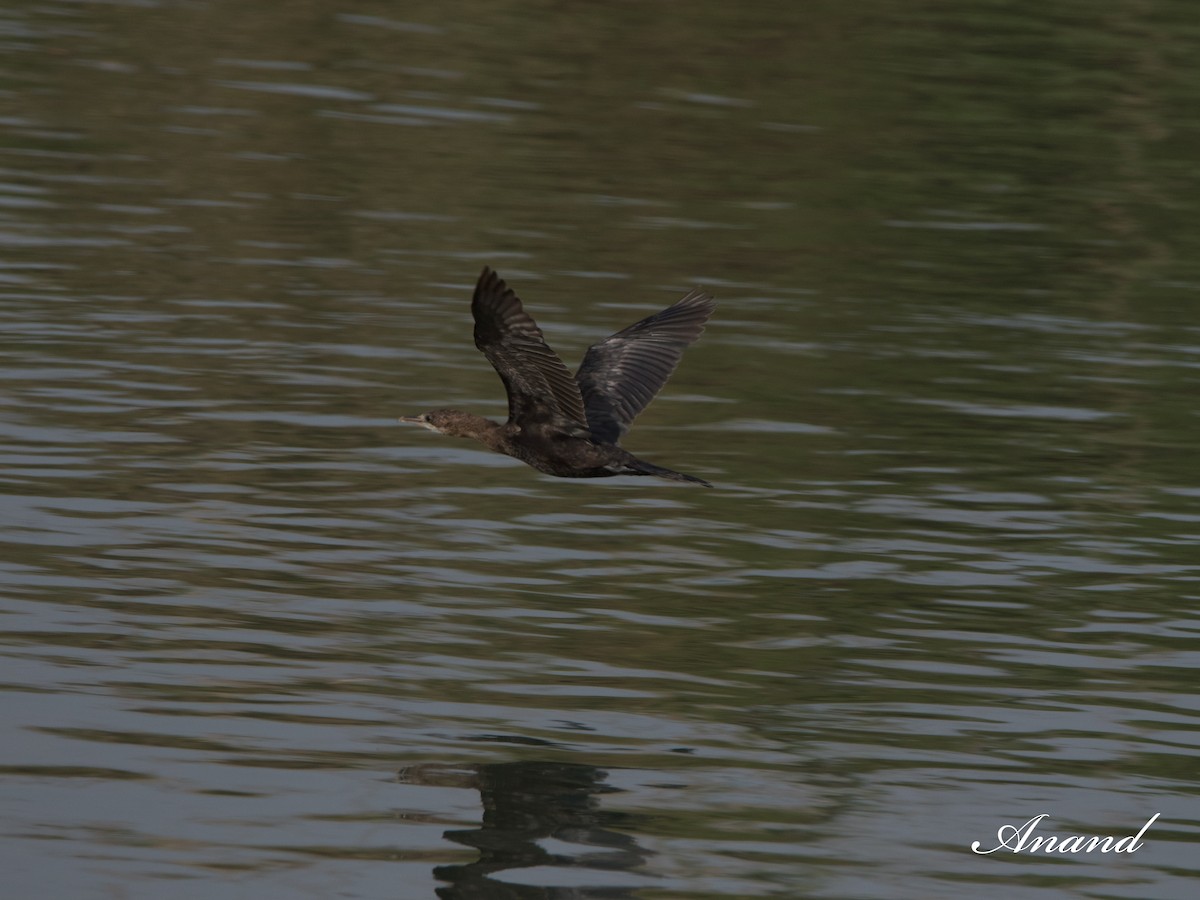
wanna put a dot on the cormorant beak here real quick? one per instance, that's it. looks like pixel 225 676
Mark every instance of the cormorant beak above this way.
pixel 418 420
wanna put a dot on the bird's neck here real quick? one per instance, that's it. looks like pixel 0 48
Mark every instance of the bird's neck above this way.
pixel 477 428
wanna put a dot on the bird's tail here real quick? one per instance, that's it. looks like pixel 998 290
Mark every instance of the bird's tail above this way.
pixel 641 467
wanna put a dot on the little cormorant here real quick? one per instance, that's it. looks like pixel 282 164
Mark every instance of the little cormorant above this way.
pixel 563 425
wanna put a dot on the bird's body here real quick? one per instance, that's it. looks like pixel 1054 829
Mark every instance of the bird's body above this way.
pixel 565 425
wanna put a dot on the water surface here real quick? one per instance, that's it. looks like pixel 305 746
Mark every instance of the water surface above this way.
pixel 260 640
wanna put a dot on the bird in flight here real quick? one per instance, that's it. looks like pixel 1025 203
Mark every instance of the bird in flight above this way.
pixel 567 425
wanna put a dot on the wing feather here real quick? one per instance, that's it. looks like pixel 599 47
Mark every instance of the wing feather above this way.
pixel 540 388
pixel 621 375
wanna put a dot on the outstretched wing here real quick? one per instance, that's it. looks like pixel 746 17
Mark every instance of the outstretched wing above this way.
pixel 540 388
pixel 621 375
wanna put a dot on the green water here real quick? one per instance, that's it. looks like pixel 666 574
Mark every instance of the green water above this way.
pixel 262 641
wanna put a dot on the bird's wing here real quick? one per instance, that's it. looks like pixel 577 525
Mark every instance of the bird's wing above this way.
pixel 540 388
pixel 620 375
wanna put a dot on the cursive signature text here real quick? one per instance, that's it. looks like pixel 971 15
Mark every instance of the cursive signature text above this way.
pixel 1021 838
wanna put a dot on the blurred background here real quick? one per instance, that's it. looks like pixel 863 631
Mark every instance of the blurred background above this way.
pixel 262 641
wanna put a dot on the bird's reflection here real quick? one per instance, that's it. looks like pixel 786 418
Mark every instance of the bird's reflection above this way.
pixel 527 805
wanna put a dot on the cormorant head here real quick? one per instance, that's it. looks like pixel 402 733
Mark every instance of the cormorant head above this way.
pixel 439 420
pixel 454 423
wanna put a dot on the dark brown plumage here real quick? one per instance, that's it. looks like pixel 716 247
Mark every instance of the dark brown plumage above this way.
pixel 567 425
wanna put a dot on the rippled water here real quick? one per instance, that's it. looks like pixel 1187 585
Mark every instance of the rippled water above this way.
pixel 262 641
